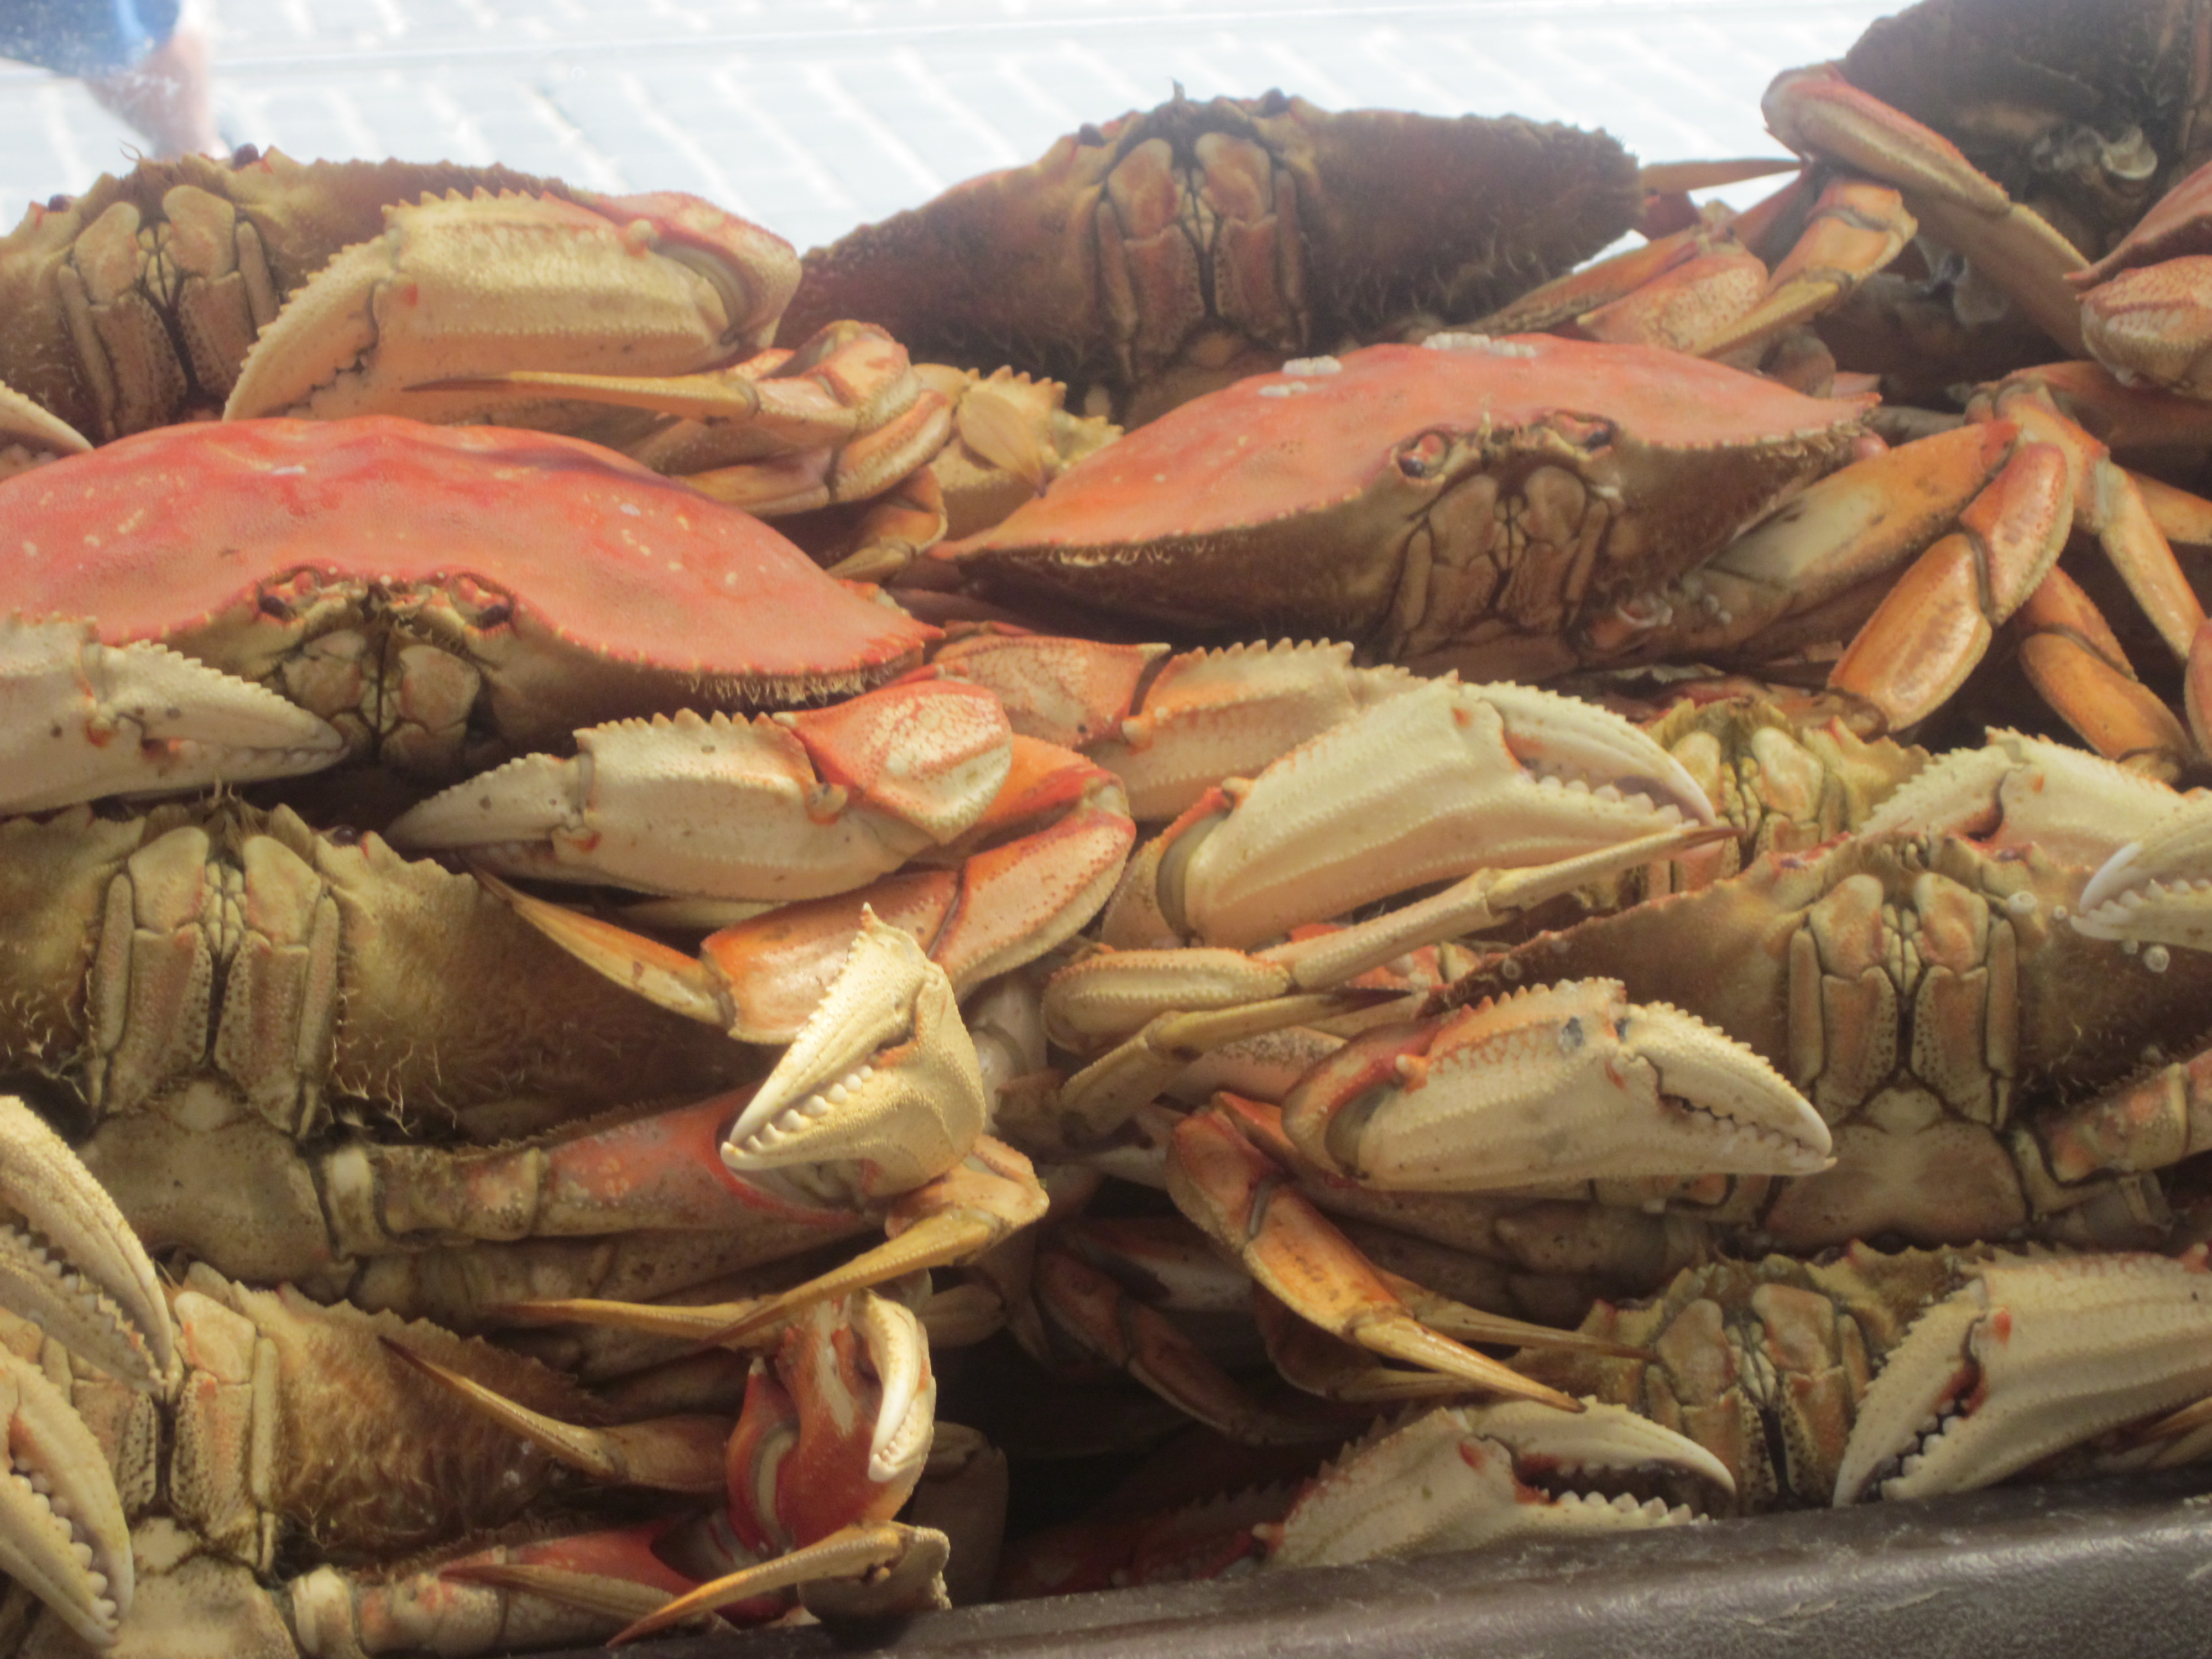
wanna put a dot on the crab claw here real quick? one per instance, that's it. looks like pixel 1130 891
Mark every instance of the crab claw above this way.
pixel 2016 791
pixel 80 719
pixel 657 283
pixel 1421 788
pixel 1568 1082
pixel 787 806
pixel 31 434
pixel 836 1431
pixel 1237 1195
pixel 62 1536
pixel 1464 1476
pixel 2025 1359
pixel 70 1263
pixel 883 1083
pixel 2157 890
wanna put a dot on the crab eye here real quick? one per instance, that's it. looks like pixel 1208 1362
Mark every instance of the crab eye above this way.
pixel 1423 456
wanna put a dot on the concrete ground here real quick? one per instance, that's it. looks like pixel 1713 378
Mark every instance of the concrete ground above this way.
pixel 813 116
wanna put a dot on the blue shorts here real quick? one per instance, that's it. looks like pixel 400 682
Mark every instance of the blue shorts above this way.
pixel 84 37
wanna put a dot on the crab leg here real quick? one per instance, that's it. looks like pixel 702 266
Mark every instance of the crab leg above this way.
pixel 2015 483
pixel 847 405
pixel 1003 907
pixel 1855 228
pixel 1237 1196
pixel 834 1433
pixel 1817 112
pixel 992 1194
pixel 671 1454
pixel 1940 615
pixel 554 1591
pixel 896 1568
pixel 1092 1310
pixel 2069 654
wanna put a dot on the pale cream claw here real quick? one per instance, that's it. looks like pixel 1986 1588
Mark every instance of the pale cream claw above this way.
pixel 80 719
pixel 2157 890
pixel 2016 791
pixel 62 1536
pixel 1566 1082
pixel 69 1261
pixel 469 286
pixel 722 808
pixel 898 1353
pixel 31 434
pixel 2025 1359
pixel 1496 775
pixel 881 1090
pixel 1453 1479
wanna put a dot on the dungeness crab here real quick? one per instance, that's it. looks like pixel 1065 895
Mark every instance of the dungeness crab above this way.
pixel 1174 250
pixel 1513 508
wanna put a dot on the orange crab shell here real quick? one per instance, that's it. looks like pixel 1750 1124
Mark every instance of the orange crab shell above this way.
pixel 588 579
pixel 1286 502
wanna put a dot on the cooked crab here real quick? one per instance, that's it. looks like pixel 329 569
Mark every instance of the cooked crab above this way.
pixel 1519 506
pixel 1176 249
pixel 136 303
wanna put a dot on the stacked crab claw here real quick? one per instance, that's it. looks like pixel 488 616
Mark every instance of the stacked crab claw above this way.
pixel 593 1006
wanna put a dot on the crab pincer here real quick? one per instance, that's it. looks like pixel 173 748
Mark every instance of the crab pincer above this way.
pixel 69 1261
pixel 833 1437
pixel 2027 1357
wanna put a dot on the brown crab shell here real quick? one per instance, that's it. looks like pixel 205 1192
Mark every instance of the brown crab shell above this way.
pixel 1284 503
pixel 1368 220
pixel 587 588
pixel 2032 91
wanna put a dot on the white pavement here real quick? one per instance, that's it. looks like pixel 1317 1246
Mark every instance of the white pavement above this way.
pixel 813 116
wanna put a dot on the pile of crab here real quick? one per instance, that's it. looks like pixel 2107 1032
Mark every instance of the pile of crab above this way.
pixel 1490 902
